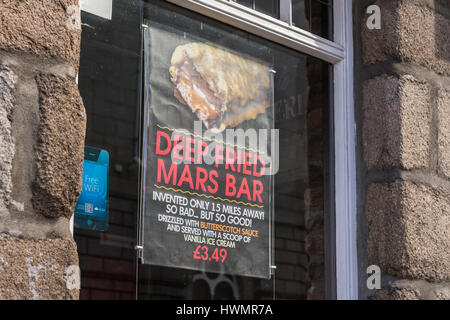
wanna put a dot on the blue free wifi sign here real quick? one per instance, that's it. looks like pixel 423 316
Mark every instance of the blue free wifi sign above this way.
pixel 91 211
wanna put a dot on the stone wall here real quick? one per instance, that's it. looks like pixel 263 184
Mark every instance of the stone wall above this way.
pixel 41 148
pixel 403 111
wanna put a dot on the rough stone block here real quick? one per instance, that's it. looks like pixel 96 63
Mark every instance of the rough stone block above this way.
pixel 42 27
pixel 410 32
pixel 444 132
pixel 60 147
pixel 7 100
pixel 409 230
pixel 396 294
pixel 414 290
pixel 37 269
pixel 397 122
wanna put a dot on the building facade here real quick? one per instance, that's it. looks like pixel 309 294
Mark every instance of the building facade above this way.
pixel 360 98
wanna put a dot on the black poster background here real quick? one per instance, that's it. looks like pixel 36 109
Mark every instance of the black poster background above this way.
pixel 168 248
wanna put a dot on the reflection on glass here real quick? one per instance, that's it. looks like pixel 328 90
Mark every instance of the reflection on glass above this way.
pixel 109 79
pixel 108 83
pixel 300 18
pixel 247 3
pixel 301 110
pixel 313 15
pixel 269 7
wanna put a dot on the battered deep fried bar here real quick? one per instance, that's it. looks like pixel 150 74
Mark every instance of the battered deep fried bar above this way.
pixel 221 88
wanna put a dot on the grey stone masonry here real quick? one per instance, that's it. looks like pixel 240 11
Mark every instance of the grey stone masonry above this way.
pixel 402 109
pixel 42 130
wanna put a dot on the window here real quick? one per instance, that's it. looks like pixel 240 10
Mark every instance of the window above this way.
pixel 311 113
pixel 267 7
pixel 312 15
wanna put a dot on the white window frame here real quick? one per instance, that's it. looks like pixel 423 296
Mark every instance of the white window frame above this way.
pixel 339 53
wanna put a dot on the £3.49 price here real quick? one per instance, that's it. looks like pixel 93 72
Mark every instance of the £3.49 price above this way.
pixel 203 253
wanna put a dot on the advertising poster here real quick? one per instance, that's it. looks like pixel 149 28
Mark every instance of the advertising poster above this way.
pixel 207 183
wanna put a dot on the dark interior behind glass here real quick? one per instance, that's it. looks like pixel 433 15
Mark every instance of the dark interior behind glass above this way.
pixel 315 16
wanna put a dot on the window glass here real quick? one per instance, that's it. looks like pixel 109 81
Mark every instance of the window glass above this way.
pixel 247 3
pixel 314 15
pixel 110 81
pixel 269 7
pixel 109 85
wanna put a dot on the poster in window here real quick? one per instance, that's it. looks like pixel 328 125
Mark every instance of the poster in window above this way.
pixel 207 183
